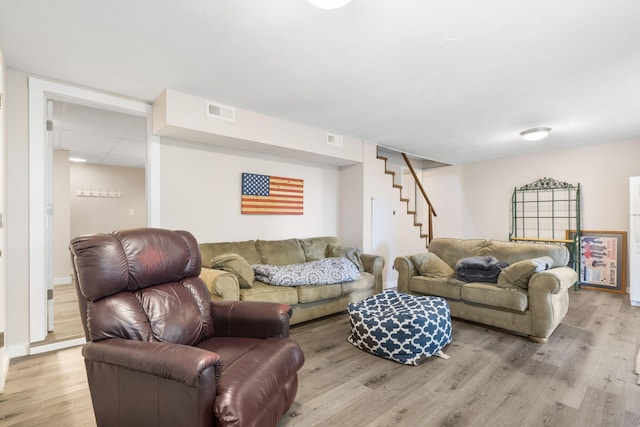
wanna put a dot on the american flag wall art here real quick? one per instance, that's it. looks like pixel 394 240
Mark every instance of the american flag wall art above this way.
pixel 271 195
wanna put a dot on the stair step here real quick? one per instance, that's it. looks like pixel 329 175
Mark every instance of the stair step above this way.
pixel 403 199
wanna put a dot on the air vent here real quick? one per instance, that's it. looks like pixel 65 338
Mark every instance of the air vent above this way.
pixel 335 140
pixel 221 111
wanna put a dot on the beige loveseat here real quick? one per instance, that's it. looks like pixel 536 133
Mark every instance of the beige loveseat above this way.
pixel 527 298
pixel 226 282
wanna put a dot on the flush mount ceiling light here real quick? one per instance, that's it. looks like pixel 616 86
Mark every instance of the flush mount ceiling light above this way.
pixel 535 133
pixel 77 159
pixel 329 4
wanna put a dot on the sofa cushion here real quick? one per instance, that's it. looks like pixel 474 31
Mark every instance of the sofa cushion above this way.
pixel 451 250
pixel 313 293
pixel 367 281
pixel 280 252
pixel 429 264
pixel 316 247
pixel 267 293
pixel 352 254
pixel 246 250
pixel 234 263
pixel 519 273
pixel 447 287
pixel 512 252
pixel 491 295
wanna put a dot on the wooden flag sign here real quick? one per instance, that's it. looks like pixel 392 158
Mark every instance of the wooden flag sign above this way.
pixel 271 195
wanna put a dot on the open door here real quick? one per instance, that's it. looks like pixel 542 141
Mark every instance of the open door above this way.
pixel 49 215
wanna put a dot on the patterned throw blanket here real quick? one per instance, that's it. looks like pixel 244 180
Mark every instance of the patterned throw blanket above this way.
pixel 324 271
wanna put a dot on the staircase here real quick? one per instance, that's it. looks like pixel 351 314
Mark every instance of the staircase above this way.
pixel 410 189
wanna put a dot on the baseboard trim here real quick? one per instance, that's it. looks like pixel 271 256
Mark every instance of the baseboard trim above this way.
pixel 62 280
pixel 56 346
pixel 5 367
pixel 391 284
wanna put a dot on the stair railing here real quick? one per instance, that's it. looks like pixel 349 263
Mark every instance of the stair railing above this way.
pixel 431 212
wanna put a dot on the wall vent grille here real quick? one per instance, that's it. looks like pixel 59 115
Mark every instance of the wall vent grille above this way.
pixel 335 140
pixel 221 111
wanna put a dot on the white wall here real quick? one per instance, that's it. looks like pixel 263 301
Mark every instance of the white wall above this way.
pixel 17 218
pixel 4 355
pixel 201 191
pixel 474 200
pixel 90 215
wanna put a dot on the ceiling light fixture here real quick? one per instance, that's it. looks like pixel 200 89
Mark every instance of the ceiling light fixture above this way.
pixel 329 4
pixel 77 159
pixel 535 134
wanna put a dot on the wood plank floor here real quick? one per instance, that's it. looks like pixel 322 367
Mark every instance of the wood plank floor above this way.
pixel 66 319
pixel 584 376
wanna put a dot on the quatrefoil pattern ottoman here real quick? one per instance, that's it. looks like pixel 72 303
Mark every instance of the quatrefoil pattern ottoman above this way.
pixel 405 328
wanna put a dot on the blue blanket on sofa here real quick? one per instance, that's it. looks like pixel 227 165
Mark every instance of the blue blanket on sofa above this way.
pixel 479 269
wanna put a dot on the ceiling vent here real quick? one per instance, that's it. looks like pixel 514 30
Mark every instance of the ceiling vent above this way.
pixel 335 140
pixel 221 111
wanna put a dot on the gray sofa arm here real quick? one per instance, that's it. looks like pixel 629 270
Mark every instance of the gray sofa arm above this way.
pixel 549 300
pixel 223 286
pixel 374 264
pixel 552 281
pixel 406 270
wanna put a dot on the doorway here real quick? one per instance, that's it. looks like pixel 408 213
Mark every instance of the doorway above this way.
pixel 45 98
pixel 98 173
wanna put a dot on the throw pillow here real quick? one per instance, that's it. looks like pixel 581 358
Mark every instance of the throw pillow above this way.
pixel 234 263
pixel 352 254
pixel 430 265
pixel 519 273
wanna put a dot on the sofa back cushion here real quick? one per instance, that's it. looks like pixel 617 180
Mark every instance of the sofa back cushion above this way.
pixel 315 248
pixel 451 250
pixel 280 252
pixel 512 252
pixel 246 250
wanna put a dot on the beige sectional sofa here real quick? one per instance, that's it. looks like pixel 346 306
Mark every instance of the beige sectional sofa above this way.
pixel 229 281
pixel 527 298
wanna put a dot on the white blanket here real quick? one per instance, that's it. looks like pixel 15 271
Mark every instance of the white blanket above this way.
pixel 324 271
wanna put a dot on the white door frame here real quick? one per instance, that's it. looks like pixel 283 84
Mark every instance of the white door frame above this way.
pixel 39 245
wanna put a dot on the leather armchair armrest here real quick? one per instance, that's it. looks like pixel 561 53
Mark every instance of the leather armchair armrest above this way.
pixel 251 319
pixel 222 285
pixel 406 270
pixel 374 264
pixel 181 363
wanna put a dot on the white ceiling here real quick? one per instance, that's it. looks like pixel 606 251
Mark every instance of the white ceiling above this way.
pixel 453 81
pixel 99 136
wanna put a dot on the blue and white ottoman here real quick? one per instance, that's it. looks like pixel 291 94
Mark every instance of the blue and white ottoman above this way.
pixel 400 327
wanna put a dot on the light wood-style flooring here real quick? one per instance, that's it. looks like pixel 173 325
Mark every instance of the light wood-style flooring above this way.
pixel 584 376
pixel 66 318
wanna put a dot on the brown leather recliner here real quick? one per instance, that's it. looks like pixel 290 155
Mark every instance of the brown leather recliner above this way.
pixel 159 352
